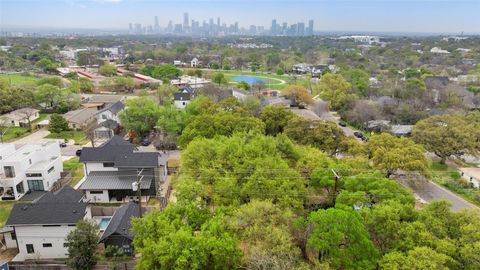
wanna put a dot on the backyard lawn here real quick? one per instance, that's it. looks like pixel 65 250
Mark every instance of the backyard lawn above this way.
pixel 78 136
pixel 14 133
pixel 76 169
pixel 5 208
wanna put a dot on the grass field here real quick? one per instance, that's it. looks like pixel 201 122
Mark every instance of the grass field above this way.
pixel 75 167
pixel 5 209
pixel 78 136
pixel 19 79
pixel 14 133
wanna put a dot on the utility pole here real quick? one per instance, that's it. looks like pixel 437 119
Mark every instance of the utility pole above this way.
pixel 335 186
pixel 136 185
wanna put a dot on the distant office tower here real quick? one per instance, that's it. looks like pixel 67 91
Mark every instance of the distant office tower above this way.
pixel 138 28
pixel 310 28
pixel 130 28
pixel 156 26
pixel 284 28
pixel 185 20
pixel 218 21
pixel 252 30
pixel 235 29
pixel 178 28
pixel 273 28
pixel 300 29
pixel 170 27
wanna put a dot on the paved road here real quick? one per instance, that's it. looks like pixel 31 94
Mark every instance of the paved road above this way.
pixel 433 191
pixel 38 137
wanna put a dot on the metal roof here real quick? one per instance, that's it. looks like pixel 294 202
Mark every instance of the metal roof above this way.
pixel 115 180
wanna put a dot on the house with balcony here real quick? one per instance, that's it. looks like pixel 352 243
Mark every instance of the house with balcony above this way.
pixel 39 229
pixel 108 121
pixel 32 167
pixel 112 168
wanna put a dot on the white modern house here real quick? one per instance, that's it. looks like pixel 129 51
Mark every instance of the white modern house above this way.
pixel 194 63
pixel 32 167
pixel 21 117
pixel 39 229
pixel 112 168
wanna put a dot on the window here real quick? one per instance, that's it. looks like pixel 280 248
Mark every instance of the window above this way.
pixel 96 192
pixel 47 244
pixel 51 169
pixel 30 249
pixel 108 164
pixel 183 103
pixel 9 171
pixel 13 235
pixel 34 175
pixel 35 185
pixel 30 161
pixel 20 188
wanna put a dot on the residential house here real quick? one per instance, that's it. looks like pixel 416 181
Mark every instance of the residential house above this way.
pixel 181 99
pixel 112 168
pixel 32 167
pixel 39 229
pixel 194 63
pixel 401 130
pixel 80 118
pixel 190 81
pixel 21 117
pixel 118 232
pixel 302 68
pixel 472 175
pixel 108 121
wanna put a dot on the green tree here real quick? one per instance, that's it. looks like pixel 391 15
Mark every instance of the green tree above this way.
pixel 108 70
pixel 244 85
pixel 219 78
pixel 336 90
pixel 12 98
pixel 298 94
pixel 82 246
pixel 56 81
pixel 171 121
pixel 447 135
pixel 50 97
pixel 418 258
pixel 324 135
pixel 57 123
pixel 389 154
pixel 85 85
pixel 339 238
pixel 359 80
pixel 276 119
pixel 140 116
pixel 46 65
pixel 165 93
pixel 166 72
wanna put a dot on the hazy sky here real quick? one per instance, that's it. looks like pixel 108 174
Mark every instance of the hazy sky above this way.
pixel 329 15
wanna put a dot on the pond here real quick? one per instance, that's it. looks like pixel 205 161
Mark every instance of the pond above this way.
pixel 251 80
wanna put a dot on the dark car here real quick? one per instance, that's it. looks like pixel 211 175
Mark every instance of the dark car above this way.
pixel 146 142
pixel 78 152
pixel 342 124
pixel 364 138
pixel 358 134
pixel 62 144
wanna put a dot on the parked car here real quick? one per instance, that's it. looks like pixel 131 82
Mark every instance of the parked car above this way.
pixel 342 124
pixel 146 142
pixel 358 134
pixel 78 152
pixel 63 144
pixel 364 138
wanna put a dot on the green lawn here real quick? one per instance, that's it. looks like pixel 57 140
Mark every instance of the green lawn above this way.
pixel 5 209
pixel 450 179
pixel 14 133
pixel 78 136
pixel 20 79
pixel 75 167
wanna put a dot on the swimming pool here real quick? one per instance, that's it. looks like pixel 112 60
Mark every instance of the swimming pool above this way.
pixel 251 80
pixel 104 223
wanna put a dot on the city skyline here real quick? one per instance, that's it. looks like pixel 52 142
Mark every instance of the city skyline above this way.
pixel 433 16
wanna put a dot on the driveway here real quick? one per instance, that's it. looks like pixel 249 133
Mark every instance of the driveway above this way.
pixel 433 191
pixel 36 137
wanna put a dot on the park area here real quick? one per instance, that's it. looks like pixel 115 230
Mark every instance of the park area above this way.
pixel 19 79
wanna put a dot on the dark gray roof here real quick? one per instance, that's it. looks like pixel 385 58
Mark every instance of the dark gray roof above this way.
pixel 120 223
pixel 109 123
pixel 182 96
pixel 121 153
pixel 65 195
pixel 115 180
pixel 61 207
pixel 114 108
pixel 138 160
pixel 108 151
